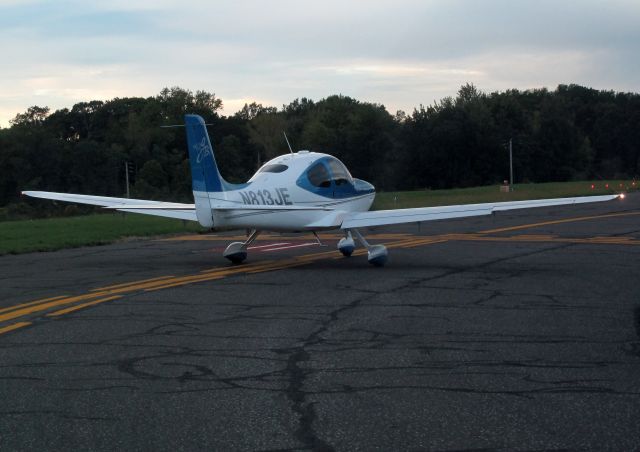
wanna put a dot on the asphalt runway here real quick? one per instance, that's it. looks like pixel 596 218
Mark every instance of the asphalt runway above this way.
pixel 519 331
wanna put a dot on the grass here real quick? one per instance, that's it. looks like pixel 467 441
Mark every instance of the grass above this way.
pixel 56 233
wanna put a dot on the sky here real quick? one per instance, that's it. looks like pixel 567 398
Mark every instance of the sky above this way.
pixel 399 53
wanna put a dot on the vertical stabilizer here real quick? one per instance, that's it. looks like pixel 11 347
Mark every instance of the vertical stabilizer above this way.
pixel 205 176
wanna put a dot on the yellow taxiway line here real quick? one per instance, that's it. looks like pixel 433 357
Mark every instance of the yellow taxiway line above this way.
pixel 13 327
pixel 82 306
pixel 565 220
pixel 117 291
pixel 117 286
pixel 31 303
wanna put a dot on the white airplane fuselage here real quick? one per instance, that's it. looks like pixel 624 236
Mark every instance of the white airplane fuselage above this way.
pixel 283 195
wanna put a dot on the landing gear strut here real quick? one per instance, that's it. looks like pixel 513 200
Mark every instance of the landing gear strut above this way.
pixel 377 254
pixel 236 252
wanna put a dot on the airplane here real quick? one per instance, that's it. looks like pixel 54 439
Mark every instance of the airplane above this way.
pixel 295 192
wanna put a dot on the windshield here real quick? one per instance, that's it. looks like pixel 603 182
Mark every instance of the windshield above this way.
pixel 340 173
pixel 319 176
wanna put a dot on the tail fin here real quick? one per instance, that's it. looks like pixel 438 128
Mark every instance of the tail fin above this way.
pixel 205 176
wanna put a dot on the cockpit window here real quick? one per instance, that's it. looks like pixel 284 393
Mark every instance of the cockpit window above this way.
pixel 273 168
pixel 340 172
pixel 319 176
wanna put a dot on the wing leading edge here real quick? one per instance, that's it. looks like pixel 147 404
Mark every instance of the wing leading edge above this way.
pixel 397 216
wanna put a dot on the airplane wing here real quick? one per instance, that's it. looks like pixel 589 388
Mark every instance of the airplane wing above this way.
pixel 397 216
pixel 156 208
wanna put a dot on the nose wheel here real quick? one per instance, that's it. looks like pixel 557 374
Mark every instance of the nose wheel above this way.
pixel 346 245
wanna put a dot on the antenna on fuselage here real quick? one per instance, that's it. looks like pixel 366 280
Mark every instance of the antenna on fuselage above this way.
pixel 287 140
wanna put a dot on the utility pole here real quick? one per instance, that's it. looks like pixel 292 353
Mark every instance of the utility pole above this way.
pixel 126 175
pixel 510 164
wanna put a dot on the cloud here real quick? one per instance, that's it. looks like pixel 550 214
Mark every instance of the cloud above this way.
pixel 400 53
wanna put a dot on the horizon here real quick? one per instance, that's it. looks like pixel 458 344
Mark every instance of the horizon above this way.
pixel 222 112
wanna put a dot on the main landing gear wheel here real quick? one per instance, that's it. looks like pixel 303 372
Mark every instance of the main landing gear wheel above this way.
pixel 376 254
pixel 236 252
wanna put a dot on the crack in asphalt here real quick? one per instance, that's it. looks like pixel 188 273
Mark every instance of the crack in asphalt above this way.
pixel 192 368
pixel 299 355
pixel 295 391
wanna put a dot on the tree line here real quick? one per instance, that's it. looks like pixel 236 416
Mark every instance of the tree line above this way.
pixel 570 133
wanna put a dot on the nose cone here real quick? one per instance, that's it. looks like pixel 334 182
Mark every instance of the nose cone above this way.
pixel 363 187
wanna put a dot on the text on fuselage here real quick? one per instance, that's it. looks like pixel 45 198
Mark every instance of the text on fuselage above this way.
pixel 275 197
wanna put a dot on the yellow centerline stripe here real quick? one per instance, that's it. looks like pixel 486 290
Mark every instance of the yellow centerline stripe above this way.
pixel 15 326
pixel 281 266
pixel 589 240
pixel 406 241
pixel 236 268
pixel 45 306
pixel 211 275
pixel 82 306
pixel 31 303
pixel 217 269
pixel 134 286
pixel 314 256
pixel 182 283
pixel 424 242
pixel 116 286
pixel 566 220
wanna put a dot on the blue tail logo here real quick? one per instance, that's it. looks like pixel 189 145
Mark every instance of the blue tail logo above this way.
pixel 205 176
pixel 203 150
